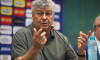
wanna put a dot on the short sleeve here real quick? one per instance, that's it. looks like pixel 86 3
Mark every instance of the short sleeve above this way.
pixel 19 45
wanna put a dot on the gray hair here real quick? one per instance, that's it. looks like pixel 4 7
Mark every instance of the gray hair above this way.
pixel 97 18
pixel 42 4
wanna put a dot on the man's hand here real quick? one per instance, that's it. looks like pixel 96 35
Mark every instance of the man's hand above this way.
pixel 82 42
pixel 39 39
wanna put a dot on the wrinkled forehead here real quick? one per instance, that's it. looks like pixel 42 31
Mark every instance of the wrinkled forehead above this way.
pixel 46 8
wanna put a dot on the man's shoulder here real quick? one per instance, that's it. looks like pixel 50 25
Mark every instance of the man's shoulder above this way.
pixel 26 29
pixel 24 32
pixel 62 36
pixel 59 33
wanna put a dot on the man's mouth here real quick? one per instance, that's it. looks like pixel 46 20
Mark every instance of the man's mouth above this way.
pixel 44 23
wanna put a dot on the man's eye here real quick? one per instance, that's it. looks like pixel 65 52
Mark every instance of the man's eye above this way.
pixel 48 13
pixel 98 26
pixel 40 13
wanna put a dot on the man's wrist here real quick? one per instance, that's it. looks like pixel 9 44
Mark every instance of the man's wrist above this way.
pixel 81 54
pixel 35 49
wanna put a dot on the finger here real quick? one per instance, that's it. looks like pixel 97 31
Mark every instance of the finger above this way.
pixel 79 45
pixel 34 31
pixel 85 36
pixel 80 34
pixel 80 42
pixel 89 33
pixel 44 42
pixel 38 32
pixel 82 39
pixel 42 34
pixel 42 39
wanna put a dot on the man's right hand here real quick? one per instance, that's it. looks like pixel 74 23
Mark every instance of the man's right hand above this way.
pixel 39 39
pixel 82 42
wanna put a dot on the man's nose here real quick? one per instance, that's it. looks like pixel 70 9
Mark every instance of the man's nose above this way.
pixel 44 16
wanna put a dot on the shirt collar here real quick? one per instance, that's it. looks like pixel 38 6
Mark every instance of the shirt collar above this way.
pixel 51 33
pixel 32 26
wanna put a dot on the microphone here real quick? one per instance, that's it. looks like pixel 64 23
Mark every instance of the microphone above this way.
pixel 63 40
pixel 52 27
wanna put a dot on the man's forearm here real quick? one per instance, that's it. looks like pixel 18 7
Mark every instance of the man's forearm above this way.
pixel 30 55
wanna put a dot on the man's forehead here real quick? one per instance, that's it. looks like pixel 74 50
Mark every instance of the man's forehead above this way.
pixel 45 8
pixel 98 21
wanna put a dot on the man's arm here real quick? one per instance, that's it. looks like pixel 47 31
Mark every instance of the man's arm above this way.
pixel 39 41
pixel 30 55
pixel 82 43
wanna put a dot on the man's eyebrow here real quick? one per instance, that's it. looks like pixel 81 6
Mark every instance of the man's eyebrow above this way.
pixel 49 10
pixel 39 11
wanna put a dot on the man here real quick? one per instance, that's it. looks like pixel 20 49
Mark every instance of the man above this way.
pixel 39 41
pixel 96 26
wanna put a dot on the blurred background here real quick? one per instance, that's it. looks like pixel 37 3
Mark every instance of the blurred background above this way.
pixel 71 17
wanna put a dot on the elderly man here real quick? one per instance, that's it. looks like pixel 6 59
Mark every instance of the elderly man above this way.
pixel 96 26
pixel 39 41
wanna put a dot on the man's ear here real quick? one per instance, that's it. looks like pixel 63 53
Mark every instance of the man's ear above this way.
pixel 32 14
pixel 32 17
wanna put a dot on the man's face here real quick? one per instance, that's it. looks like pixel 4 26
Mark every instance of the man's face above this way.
pixel 43 18
pixel 97 30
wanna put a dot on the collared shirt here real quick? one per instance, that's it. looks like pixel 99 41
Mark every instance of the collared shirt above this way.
pixel 98 44
pixel 57 46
